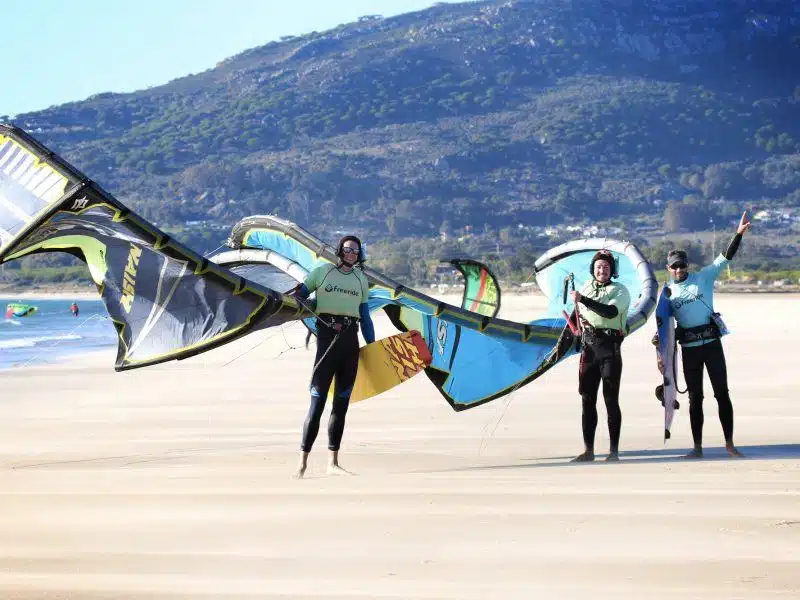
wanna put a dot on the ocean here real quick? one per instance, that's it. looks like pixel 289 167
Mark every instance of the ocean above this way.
pixel 52 333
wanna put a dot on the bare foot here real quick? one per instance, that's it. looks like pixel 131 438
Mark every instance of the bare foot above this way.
pixel 587 456
pixel 696 453
pixel 612 457
pixel 337 470
pixel 301 466
pixel 732 451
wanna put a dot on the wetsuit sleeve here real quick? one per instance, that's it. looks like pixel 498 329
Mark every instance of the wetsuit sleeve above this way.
pixel 712 271
pixel 622 299
pixel 607 311
pixel 314 278
pixel 733 246
pixel 367 328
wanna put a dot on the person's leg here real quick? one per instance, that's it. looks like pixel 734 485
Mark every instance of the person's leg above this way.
pixel 693 361
pixel 588 386
pixel 718 374
pixel 612 376
pixel 320 384
pixel 345 378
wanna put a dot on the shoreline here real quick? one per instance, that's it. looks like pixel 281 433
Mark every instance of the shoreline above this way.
pixel 78 359
pixel 41 293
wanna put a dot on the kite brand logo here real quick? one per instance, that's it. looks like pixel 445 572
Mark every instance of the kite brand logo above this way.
pixel 335 288
pixel 129 278
pixel 404 356
pixel 80 203
pixel 441 336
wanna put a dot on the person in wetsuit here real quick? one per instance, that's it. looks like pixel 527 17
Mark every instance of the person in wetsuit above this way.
pixel 602 307
pixel 699 332
pixel 342 292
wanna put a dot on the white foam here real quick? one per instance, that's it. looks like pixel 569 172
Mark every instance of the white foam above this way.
pixel 34 341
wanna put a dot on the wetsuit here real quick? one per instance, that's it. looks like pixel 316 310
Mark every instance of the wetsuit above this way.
pixel 692 302
pixel 603 313
pixel 340 303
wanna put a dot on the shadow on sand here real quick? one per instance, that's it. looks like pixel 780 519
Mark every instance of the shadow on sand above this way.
pixel 665 455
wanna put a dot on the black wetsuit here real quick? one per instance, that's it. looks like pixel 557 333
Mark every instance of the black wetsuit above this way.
pixel 601 360
pixel 712 358
pixel 337 355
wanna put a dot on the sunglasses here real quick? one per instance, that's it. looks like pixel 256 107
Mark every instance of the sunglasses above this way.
pixel 677 266
pixel 347 250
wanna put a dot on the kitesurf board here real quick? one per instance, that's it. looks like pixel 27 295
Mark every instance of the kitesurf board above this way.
pixel 666 348
pixel 388 362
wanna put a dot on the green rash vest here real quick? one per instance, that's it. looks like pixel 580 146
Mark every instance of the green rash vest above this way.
pixel 614 294
pixel 338 293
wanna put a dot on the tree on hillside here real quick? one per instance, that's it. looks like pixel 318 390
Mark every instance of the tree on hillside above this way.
pixel 688 215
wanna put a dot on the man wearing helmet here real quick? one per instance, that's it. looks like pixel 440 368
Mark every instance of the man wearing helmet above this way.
pixel 342 293
pixel 699 332
pixel 602 307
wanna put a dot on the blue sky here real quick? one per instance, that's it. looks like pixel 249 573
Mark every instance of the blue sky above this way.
pixel 57 51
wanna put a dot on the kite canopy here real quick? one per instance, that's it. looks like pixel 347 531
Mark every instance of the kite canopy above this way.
pixel 476 357
pixel 570 263
pixel 14 309
pixel 166 301
pixel 481 290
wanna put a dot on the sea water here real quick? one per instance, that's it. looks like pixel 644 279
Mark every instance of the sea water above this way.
pixel 53 333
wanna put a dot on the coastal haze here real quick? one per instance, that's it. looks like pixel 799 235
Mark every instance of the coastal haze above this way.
pixel 175 481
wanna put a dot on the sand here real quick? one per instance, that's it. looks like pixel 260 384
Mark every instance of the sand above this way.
pixel 174 481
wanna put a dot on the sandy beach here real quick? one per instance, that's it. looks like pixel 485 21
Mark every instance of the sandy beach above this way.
pixel 175 481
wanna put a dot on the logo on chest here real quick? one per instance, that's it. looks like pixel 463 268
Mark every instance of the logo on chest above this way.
pixel 335 289
pixel 682 301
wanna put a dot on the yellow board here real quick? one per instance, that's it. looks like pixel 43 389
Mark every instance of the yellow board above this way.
pixel 385 363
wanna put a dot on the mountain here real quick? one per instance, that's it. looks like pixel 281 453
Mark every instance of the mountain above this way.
pixel 482 114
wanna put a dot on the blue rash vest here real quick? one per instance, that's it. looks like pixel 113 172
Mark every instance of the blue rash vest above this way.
pixel 692 299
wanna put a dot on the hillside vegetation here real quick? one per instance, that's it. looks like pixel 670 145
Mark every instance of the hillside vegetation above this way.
pixel 647 117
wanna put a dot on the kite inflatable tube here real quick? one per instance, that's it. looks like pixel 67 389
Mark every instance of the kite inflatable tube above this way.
pixel 636 270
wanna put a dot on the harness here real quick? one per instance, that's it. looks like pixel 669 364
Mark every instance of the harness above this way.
pixel 593 336
pixel 338 323
pixel 709 331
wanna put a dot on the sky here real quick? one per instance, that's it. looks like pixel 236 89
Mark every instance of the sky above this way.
pixel 57 51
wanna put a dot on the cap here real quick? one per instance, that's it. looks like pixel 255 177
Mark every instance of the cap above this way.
pixel 676 256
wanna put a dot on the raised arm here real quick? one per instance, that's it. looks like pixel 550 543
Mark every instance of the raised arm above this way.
pixel 714 269
pixel 744 225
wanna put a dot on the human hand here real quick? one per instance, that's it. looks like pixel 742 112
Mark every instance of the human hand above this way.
pixel 576 296
pixel 744 223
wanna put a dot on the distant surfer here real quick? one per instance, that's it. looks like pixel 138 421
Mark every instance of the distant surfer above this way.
pixel 699 331
pixel 602 314
pixel 74 309
pixel 342 293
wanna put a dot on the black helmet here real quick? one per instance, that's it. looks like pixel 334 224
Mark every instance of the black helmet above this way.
pixel 607 256
pixel 351 238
